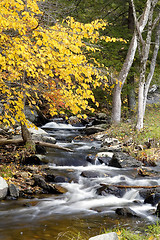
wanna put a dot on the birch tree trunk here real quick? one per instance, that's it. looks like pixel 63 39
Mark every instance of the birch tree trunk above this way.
pixel 152 66
pixel 144 59
pixel 116 112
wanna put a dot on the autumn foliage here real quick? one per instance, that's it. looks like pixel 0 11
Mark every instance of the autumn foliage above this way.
pixel 37 60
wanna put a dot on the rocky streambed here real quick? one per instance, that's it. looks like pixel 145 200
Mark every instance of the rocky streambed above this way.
pixel 96 185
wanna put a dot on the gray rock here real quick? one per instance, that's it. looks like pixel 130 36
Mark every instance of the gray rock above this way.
pixel 127 212
pixel 101 116
pixel 145 193
pixel 122 160
pixel 92 174
pixel 13 191
pixel 43 138
pixel 94 129
pixel 104 157
pixel 110 142
pixel 39 180
pixel 107 236
pixel 153 199
pixel 74 120
pixel 105 190
pixel 40 135
pixel 29 115
pixel 3 188
pixel 104 154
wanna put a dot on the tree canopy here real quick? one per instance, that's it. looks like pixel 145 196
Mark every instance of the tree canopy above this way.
pixel 46 61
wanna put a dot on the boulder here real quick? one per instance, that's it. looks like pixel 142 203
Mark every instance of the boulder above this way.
pixel 104 157
pixel 40 135
pixel 74 121
pixel 153 199
pixel 47 187
pixel 3 188
pixel 145 193
pixel 39 181
pixel 36 159
pixel 92 174
pixel 106 236
pixel 94 129
pixel 111 144
pixel 123 160
pixel 105 190
pixel 102 116
pixel 13 191
pixel 127 212
pixel 31 116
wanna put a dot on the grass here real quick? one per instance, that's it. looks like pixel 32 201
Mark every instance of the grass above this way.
pixel 151 233
pixel 144 144
pixel 6 171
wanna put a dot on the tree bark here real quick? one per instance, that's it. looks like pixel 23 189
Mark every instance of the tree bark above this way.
pixel 116 110
pixel 4 141
pixel 152 66
pixel 145 54
pixel 116 117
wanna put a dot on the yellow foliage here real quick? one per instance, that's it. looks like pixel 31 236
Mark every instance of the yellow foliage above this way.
pixel 48 62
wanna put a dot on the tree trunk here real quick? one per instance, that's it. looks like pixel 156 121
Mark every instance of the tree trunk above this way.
pixel 140 116
pixel 131 94
pixel 130 80
pixel 116 116
pixel 116 110
pixel 145 55
pixel 152 66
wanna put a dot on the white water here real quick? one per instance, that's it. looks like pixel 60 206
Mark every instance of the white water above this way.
pixel 81 198
pixel 54 125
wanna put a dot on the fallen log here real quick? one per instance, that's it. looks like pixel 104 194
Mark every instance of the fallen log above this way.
pixel 5 141
pixel 127 186
pixel 51 145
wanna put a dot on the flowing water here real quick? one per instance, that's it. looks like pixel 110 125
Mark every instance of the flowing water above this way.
pixel 80 209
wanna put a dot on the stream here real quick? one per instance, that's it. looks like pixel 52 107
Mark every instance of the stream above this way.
pixel 80 209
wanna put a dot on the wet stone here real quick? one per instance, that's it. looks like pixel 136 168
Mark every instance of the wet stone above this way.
pixel 153 199
pixel 127 212
pixel 123 160
pixel 105 190
pixel 92 174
